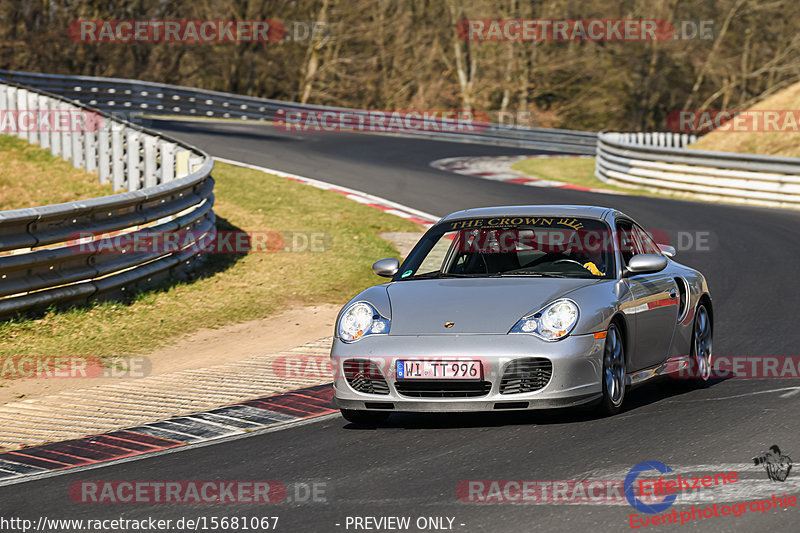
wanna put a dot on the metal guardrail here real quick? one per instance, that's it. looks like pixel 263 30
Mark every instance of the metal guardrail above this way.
pixel 133 96
pixel 659 161
pixel 169 188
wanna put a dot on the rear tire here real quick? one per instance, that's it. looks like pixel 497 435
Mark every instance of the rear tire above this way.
pixel 700 363
pixel 613 378
pixel 365 418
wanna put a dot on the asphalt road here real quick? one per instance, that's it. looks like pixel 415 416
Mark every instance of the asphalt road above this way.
pixel 413 466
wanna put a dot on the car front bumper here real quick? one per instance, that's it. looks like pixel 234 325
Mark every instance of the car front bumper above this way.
pixel 576 370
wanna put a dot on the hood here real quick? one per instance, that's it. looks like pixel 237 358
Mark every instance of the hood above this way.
pixel 480 305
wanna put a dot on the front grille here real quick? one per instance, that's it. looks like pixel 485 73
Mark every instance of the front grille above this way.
pixel 526 375
pixel 364 376
pixel 442 388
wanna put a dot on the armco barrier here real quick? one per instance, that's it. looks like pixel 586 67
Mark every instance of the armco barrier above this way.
pixel 133 96
pixel 168 187
pixel 659 161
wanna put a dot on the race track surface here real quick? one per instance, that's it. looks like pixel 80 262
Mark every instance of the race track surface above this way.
pixel 413 465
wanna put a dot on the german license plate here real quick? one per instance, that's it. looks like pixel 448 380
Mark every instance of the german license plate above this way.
pixel 421 369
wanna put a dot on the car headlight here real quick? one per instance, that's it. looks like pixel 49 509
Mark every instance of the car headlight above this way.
pixel 361 319
pixel 552 323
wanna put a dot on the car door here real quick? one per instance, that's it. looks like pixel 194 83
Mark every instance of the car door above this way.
pixel 654 300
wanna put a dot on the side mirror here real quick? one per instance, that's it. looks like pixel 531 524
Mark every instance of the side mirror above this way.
pixel 667 250
pixel 647 263
pixel 386 267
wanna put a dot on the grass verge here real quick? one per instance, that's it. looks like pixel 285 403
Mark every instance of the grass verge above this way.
pixel 30 176
pixel 578 171
pixel 573 170
pixel 229 289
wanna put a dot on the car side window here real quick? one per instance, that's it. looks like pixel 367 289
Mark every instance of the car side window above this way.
pixel 646 242
pixel 627 242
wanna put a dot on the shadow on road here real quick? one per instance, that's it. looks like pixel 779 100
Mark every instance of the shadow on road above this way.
pixel 643 396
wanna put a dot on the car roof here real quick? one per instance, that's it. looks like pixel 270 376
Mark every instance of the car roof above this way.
pixel 588 211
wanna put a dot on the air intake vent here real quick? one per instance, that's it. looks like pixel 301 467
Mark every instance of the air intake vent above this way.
pixel 526 375
pixel 363 375
pixel 448 388
pixel 683 298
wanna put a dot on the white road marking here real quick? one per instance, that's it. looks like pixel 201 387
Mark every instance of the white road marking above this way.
pixel 325 185
pixel 794 390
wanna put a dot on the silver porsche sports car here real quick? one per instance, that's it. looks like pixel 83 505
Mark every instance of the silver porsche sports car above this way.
pixel 523 307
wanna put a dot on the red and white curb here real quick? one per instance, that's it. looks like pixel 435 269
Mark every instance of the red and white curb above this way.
pixel 175 432
pixel 498 168
pixel 387 206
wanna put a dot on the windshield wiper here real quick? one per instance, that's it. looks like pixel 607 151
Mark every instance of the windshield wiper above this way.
pixel 511 273
pixel 443 275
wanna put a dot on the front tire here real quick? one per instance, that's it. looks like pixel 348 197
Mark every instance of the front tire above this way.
pixel 364 418
pixel 613 372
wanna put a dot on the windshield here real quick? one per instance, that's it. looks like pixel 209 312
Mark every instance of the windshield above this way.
pixel 518 246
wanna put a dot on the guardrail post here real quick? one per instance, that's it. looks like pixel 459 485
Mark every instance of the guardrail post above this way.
pixel 11 105
pixel 66 140
pixel 167 161
pixel 104 154
pixel 117 157
pixel 182 163
pixel 44 133
pixel 55 136
pixel 90 150
pixel 150 162
pixel 684 139
pixel 76 136
pixel 22 105
pixel 133 146
pixel 33 107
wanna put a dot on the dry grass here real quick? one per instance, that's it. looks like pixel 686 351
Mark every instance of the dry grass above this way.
pixel 30 176
pixel 783 143
pixel 572 170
